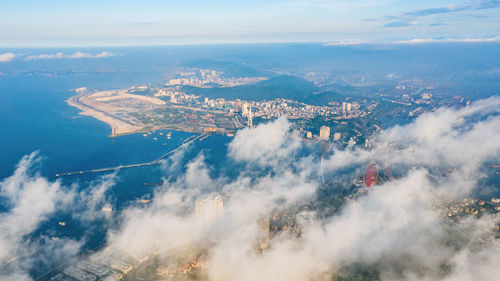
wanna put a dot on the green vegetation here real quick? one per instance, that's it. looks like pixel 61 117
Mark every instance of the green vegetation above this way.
pixel 283 86
pixel 230 69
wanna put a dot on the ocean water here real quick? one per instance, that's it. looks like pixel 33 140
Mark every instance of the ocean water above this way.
pixel 35 117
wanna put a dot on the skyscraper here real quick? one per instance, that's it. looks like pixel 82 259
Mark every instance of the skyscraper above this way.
pixel 324 133
pixel 209 210
pixel 263 233
pixel 244 109
pixel 250 122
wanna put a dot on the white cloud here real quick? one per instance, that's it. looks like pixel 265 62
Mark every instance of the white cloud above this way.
pixel 346 43
pixel 448 40
pixel 265 144
pixel 413 41
pixel 6 57
pixel 75 55
pixel 31 199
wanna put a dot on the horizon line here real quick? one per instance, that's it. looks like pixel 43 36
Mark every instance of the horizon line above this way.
pixel 348 42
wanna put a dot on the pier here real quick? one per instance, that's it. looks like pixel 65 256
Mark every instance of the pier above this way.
pixel 154 162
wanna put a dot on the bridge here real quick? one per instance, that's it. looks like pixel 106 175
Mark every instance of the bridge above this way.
pixel 154 162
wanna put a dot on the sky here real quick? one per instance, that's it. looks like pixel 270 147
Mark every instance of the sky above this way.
pixel 31 23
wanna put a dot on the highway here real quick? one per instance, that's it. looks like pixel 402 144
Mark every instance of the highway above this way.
pixel 154 162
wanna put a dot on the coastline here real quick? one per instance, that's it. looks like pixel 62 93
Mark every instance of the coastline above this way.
pixel 118 127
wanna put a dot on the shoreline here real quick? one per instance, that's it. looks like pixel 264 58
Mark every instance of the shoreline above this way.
pixel 118 127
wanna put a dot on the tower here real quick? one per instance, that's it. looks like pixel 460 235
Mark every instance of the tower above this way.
pixel 250 122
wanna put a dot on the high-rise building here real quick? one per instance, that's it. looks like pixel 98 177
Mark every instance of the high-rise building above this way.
pixel 237 105
pixel 209 210
pixel 250 122
pixel 263 233
pixel 324 133
pixel 337 136
pixel 244 109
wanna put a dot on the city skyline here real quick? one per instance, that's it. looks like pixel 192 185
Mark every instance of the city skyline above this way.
pixel 125 23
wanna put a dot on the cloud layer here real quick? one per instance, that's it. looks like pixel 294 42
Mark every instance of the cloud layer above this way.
pixel 30 201
pixel 75 55
pixel 470 6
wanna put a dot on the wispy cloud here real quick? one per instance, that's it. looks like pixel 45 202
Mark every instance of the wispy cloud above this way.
pixel 450 40
pixel 6 57
pixel 346 43
pixel 402 23
pixel 32 200
pixel 413 41
pixel 475 5
pixel 336 5
pixel 75 55
pixel 438 24
pixel 411 18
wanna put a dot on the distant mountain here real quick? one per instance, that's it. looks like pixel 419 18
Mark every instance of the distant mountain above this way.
pixel 230 69
pixel 283 86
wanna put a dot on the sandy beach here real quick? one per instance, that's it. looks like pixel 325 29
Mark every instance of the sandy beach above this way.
pixel 118 127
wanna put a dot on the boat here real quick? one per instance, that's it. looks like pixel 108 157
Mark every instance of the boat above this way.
pixel 62 223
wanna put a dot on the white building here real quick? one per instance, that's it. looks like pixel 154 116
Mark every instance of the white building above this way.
pixel 209 210
pixel 337 136
pixel 244 109
pixel 324 133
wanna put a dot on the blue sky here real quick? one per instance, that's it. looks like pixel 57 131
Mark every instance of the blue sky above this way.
pixel 55 23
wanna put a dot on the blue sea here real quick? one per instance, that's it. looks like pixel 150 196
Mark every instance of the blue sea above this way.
pixel 34 116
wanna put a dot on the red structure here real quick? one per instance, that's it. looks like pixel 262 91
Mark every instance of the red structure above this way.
pixel 371 174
